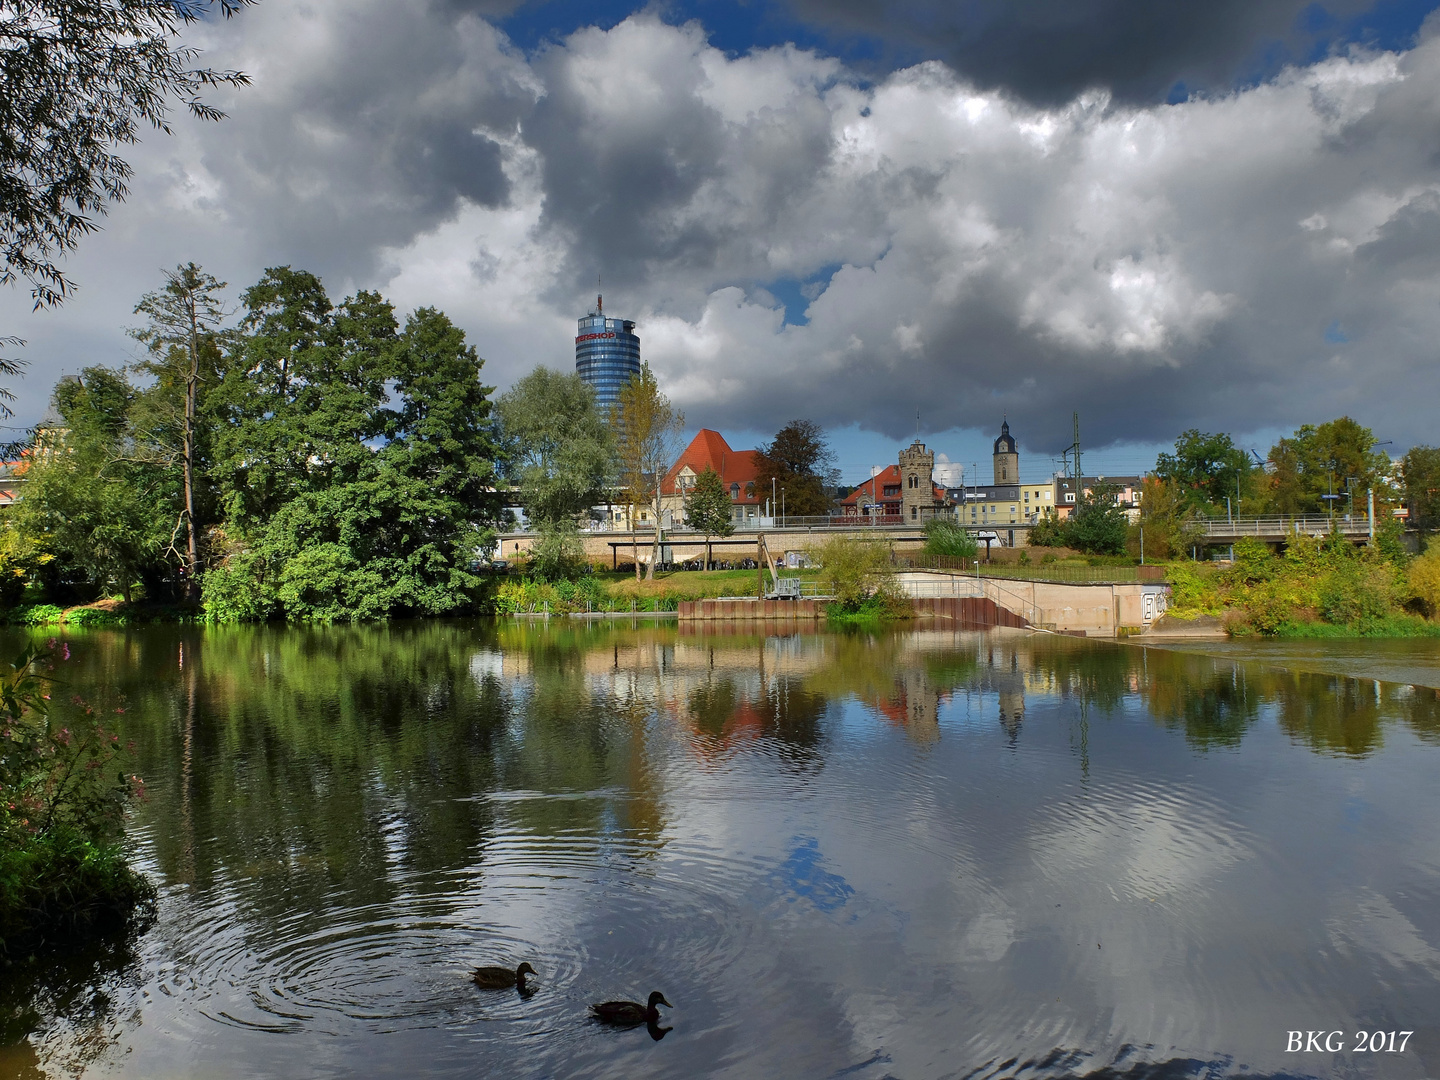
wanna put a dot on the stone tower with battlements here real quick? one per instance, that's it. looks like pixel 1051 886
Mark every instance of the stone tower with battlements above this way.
pixel 1007 457
pixel 917 490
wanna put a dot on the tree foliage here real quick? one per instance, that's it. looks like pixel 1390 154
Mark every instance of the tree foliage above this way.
pixel 355 462
pixel 1333 458
pixel 81 78
pixel 1420 469
pixel 347 465
pixel 707 509
pixel 1205 469
pixel 1098 526
pixel 1170 519
pixel 558 445
pixel 647 431
pixel 857 573
pixel 107 516
pixel 800 464
pixel 949 538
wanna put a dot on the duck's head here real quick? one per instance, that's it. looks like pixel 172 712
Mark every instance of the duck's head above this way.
pixel 525 969
pixel 657 998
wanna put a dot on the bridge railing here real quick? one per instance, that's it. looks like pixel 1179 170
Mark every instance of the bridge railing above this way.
pixel 1286 525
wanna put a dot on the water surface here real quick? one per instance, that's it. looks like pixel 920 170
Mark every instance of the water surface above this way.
pixel 932 853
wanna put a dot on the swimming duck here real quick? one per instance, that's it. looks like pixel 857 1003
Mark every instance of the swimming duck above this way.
pixel 499 978
pixel 630 1012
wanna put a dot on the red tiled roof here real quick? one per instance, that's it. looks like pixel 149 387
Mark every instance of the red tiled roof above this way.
pixel 873 490
pixel 710 448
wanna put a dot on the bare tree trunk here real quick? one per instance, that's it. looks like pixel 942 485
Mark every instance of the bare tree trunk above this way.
pixel 192 545
pixel 709 554
pixel 655 544
pixel 634 542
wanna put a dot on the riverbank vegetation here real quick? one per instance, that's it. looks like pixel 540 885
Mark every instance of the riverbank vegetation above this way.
pixel 63 869
pixel 1317 588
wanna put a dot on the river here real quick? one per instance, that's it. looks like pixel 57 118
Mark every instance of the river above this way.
pixel 920 854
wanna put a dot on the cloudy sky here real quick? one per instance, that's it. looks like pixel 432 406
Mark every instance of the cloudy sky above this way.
pixel 1221 214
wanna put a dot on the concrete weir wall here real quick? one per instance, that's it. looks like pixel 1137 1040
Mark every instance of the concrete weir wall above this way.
pixel 1096 610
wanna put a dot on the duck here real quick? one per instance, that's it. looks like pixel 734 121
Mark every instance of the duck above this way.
pixel 628 1013
pixel 500 978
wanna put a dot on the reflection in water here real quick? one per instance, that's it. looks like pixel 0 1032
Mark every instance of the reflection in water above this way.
pixel 925 853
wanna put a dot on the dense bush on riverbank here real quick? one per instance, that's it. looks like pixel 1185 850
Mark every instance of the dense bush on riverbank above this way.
pixel 1316 588
pixel 63 797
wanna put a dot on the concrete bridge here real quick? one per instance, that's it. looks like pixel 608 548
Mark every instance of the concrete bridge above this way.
pixel 788 534
pixel 1277 530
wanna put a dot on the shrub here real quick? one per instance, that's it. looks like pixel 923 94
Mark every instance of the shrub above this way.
pixel 558 553
pixel 946 537
pixel 1423 579
pixel 36 615
pixel 857 572
pixel 96 617
pixel 61 864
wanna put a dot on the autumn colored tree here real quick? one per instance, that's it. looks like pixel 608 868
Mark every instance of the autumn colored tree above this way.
pixel 799 463
pixel 647 434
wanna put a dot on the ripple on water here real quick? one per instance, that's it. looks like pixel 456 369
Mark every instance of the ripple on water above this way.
pixel 598 917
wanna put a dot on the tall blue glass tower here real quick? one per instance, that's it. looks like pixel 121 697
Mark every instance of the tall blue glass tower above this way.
pixel 607 354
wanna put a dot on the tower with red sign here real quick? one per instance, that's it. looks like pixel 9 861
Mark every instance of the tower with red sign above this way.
pixel 607 353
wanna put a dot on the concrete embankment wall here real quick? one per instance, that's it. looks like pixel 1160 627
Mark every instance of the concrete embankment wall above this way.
pixel 1097 610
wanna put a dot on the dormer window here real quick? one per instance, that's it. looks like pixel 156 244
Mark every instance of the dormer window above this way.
pixel 734 491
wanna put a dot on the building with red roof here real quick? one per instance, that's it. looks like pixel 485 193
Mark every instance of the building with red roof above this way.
pixel 882 496
pixel 736 469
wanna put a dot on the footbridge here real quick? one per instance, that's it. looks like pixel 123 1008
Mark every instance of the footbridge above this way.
pixel 1277 530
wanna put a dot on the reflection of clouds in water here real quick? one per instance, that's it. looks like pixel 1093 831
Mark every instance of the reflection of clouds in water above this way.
pixel 1161 843
pixel 1369 922
pixel 987 939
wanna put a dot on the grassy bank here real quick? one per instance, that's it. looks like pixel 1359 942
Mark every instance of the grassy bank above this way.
pixel 619 591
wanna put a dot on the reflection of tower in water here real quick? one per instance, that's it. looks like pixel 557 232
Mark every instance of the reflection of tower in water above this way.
pixel 922 707
pixel 1009 683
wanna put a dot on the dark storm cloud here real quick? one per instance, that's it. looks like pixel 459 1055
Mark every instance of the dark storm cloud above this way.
pixel 1047 51
pixel 1251 260
pixel 362 131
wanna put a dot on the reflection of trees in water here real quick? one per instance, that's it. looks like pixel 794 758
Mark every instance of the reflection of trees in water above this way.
pixel 68 1005
pixel 1214 705
pixel 1332 714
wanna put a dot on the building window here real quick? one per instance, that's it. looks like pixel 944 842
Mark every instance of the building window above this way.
pixel 734 491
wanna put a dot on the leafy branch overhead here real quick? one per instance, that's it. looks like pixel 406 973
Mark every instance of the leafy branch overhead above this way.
pixel 82 78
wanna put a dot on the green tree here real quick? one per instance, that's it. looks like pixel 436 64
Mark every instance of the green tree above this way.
pixel 80 79
pixel 356 462
pixel 799 463
pixel 105 515
pixel 1420 469
pixel 182 336
pixel 647 430
pixel 1098 526
pixel 1206 469
pixel 1336 458
pixel 558 445
pixel 707 509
